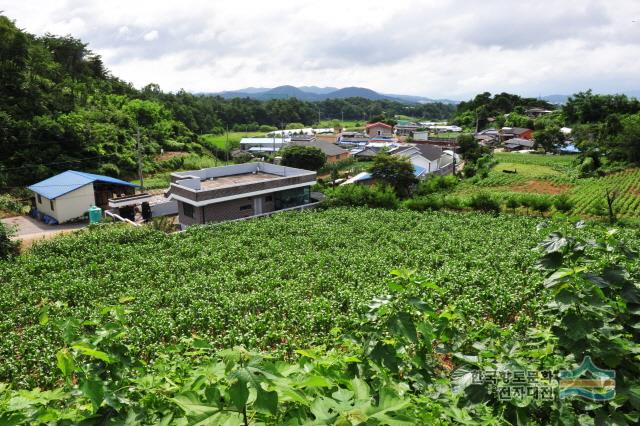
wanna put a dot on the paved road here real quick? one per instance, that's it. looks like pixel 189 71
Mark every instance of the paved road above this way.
pixel 29 229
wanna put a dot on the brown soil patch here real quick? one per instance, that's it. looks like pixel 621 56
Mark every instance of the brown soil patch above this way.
pixel 541 187
pixel 169 155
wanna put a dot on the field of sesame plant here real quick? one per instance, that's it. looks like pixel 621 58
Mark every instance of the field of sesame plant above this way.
pixel 276 284
pixel 318 318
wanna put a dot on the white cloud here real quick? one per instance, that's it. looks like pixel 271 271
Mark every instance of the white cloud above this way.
pixel 438 48
pixel 151 35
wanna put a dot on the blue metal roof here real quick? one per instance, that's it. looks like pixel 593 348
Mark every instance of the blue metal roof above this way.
pixel 570 149
pixel 71 180
pixel 418 171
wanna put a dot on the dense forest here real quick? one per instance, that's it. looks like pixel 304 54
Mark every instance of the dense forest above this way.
pixel 60 108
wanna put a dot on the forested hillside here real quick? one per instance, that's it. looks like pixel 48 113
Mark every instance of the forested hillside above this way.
pixel 60 108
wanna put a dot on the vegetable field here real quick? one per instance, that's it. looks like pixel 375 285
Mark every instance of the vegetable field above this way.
pixel 543 174
pixel 275 284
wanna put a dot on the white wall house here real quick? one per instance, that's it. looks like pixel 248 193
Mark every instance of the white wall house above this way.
pixel 69 195
pixel 69 206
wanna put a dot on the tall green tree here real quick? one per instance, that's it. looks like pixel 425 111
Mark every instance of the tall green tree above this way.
pixel 395 171
pixel 303 157
pixel 549 138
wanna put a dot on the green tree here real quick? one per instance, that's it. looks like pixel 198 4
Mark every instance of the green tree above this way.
pixel 8 247
pixel 303 157
pixel 394 171
pixel 549 138
pixel 469 148
pixel 627 140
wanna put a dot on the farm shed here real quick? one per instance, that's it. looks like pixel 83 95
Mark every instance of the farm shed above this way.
pixel 69 195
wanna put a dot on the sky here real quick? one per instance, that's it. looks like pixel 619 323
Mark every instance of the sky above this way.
pixel 436 48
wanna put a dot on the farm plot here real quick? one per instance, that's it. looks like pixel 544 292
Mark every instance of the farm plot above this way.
pixel 554 175
pixel 591 192
pixel 273 284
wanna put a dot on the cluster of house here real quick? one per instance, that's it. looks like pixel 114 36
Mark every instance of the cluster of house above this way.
pixel 520 139
pixel 230 192
pixel 259 188
pixel 273 144
pixel 195 197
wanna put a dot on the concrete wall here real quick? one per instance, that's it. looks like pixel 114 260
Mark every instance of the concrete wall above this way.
pixel 164 209
pixel 238 169
pixel 198 215
pixel 228 210
pixel 237 191
pixel 384 131
pixel 335 158
pixel 68 206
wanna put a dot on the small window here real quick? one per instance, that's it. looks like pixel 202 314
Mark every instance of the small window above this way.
pixel 187 209
pixel 268 199
pixel 379 132
pixel 53 205
pixel 39 199
pixel 245 207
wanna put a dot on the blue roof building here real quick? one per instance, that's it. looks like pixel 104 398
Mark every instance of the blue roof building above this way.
pixel 69 195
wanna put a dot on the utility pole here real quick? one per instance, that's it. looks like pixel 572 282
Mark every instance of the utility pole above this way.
pixel 226 144
pixel 453 150
pixel 139 147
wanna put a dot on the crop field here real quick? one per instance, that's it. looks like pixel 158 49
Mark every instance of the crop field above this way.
pixel 273 284
pixel 553 175
pixel 232 142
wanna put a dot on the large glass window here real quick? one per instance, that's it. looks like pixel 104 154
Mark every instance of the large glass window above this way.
pixel 291 198
pixel 187 209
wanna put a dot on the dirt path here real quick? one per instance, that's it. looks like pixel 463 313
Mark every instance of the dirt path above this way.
pixel 30 230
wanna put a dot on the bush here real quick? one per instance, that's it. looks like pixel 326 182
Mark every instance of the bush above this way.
pixel 563 204
pixel 303 157
pixel 453 203
pixel 424 203
pixel 527 201
pixel 513 202
pixel 436 184
pixel 109 169
pixel 361 195
pixel 541 203
pixel 8 248
pixel 470 170
pixel 172 145
pixel 10 204
pixel 267 129
pixel 484 202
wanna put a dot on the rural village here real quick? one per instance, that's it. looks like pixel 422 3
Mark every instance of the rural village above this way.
pixel 193 232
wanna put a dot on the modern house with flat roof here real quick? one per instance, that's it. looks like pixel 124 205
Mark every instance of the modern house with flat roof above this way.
pixel 234 192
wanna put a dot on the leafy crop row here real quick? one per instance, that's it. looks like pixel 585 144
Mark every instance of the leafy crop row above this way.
pixel 275 284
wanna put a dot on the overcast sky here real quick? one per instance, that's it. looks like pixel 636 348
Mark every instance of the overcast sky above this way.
pixel 435 48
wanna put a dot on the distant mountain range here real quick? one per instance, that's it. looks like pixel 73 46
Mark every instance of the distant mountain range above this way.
pixel 314 93
pixel 562 99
